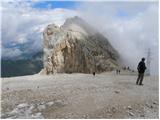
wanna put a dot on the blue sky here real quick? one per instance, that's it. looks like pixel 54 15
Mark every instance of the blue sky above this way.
pixel 120 12
pixel 55 4
pixel 68 5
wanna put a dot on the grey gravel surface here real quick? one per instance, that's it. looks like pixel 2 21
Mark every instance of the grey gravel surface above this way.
pixel 78 95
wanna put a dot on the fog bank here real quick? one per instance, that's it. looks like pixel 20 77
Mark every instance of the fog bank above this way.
pixel 131 27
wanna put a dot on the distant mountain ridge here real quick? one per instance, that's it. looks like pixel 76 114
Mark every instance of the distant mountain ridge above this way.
pixel 25 66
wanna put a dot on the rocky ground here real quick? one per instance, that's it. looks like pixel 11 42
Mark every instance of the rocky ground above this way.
pixel 77 95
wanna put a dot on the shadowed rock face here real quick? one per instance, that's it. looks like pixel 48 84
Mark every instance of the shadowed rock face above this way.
pixel 77 47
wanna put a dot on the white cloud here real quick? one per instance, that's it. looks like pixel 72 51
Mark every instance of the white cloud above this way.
pixel 11 52
pixel 22 24
pixel 131 27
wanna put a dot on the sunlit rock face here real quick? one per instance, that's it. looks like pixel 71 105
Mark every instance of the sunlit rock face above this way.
pixel 77 47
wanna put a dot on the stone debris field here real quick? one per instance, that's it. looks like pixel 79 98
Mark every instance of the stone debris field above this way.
pixel 76 95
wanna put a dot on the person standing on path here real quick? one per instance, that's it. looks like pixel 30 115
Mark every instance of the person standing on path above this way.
pixel 141 69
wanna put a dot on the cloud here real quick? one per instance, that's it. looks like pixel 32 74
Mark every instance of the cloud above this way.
pixel 131 27
pixel 11 52
pixel 22 24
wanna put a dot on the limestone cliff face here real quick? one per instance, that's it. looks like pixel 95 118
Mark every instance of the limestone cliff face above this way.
pixel 76 47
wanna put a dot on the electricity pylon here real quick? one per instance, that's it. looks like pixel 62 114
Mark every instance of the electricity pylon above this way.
pixel 148 62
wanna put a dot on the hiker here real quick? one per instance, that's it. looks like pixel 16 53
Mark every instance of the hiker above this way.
pixel 94 73
pixel 128 68
pixel 117 71
pixel 141 69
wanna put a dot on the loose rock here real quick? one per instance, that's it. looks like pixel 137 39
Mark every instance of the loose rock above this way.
pixel 130 113
pixel 50 103
pixel 41 107
pixel 155 102
pixel 23 105
pixel 142 115
pixel 113 109
pixel 129 108
pixel 117 92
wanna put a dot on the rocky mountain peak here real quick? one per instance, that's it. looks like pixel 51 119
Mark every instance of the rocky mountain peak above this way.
pixel 76 47
pixel 78 24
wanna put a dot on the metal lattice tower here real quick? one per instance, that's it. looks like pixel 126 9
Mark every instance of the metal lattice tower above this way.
pixel 148 62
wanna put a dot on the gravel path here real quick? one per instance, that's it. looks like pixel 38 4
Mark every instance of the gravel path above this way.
pixel 79 96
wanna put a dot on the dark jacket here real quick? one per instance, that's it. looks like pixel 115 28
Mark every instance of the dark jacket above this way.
pixel 141 67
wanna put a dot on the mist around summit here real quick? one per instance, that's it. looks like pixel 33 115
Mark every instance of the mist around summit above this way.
pixel 131 27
